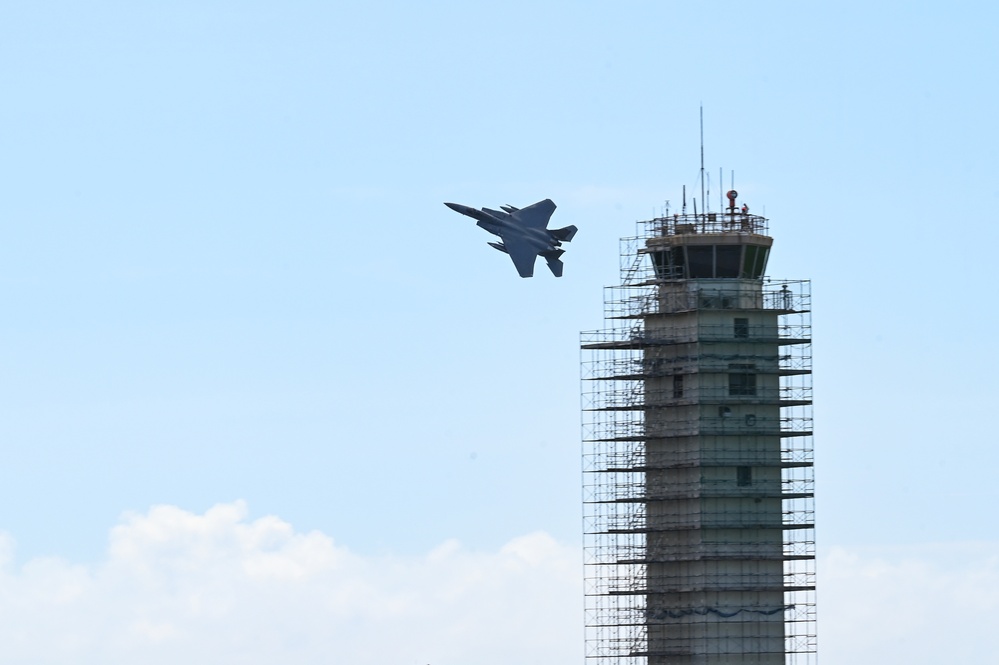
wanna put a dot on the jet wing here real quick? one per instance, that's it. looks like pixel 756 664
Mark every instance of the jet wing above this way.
pixel 496 213
pixel 536 215
pixel 522 253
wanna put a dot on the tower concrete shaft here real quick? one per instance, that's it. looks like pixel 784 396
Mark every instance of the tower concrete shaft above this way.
pixel 698 481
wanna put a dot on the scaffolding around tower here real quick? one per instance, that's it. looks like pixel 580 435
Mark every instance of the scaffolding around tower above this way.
pixel 697 453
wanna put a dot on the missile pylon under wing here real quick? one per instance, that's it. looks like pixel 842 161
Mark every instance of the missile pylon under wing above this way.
pixel 524 232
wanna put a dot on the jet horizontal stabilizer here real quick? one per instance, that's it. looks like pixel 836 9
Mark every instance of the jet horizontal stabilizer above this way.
pixel 552 258
pixel 564 234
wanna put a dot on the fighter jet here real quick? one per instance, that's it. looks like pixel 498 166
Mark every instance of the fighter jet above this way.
pixel 524 232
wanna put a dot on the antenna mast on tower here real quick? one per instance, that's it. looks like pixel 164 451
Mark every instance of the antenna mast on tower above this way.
pixel 702 158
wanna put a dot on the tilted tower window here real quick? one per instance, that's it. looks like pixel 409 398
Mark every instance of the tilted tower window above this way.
pixel 727 260
pixel 701 261
pixel 755 262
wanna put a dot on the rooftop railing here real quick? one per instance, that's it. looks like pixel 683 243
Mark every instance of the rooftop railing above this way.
pixel 706 222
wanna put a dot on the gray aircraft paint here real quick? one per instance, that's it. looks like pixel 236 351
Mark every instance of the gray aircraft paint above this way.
pixel 524 232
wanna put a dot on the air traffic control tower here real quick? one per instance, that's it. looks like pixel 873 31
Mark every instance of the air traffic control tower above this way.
pixel 698 481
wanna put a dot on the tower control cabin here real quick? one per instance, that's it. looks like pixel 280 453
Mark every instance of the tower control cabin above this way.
pixel 698 483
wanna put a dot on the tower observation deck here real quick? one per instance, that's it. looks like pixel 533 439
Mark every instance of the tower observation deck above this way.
pixel 697 452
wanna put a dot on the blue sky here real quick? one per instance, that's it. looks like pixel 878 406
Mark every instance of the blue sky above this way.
pixel 226 273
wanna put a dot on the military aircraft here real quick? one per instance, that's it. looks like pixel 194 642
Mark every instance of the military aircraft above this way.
pixel 524 232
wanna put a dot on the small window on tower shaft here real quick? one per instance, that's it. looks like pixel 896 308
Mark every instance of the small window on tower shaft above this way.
pixel 743 476
pixel 741 327
pixel 677 386
pixel 742 379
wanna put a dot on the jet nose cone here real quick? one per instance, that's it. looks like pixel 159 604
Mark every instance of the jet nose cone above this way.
pixel 464 210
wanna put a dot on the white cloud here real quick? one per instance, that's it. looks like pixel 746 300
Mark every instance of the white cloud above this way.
pixel 217 588
pixel 919 605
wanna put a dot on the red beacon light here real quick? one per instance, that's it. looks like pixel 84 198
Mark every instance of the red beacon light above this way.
pixel 732 194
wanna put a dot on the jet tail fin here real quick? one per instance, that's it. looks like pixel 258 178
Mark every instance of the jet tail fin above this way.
pixel 565 234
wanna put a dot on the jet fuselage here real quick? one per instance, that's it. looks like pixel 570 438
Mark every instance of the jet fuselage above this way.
pixel 524 232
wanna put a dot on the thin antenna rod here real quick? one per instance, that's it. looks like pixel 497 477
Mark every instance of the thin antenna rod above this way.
pixel 721 186
pixel 684 199
pixel 702 157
